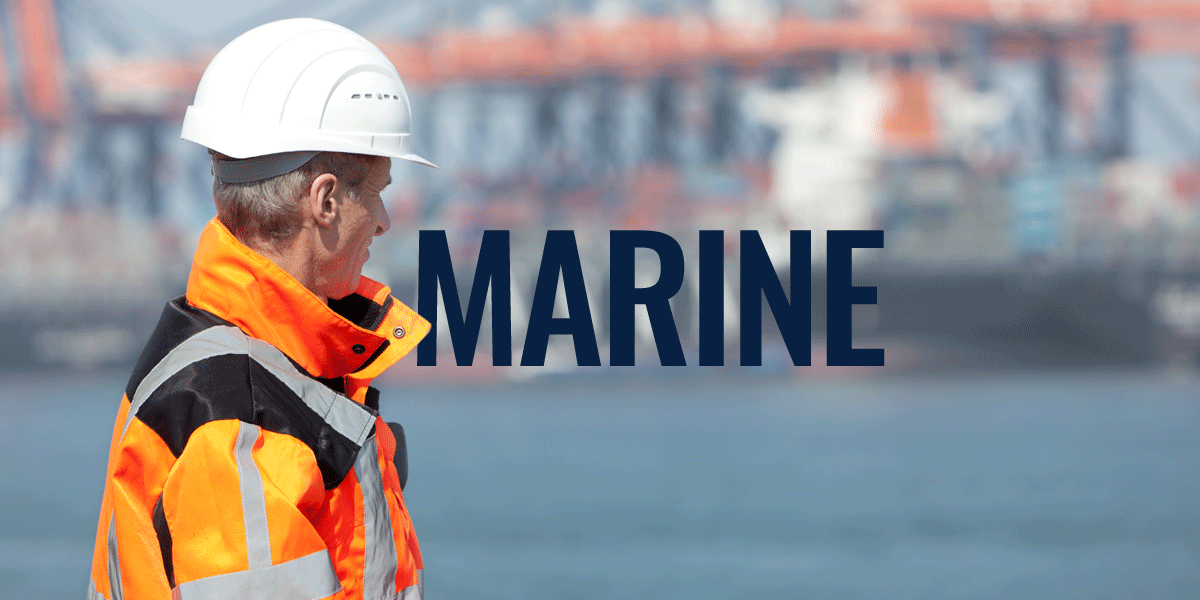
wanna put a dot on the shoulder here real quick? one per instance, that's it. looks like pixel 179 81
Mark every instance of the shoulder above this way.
pixel 197 369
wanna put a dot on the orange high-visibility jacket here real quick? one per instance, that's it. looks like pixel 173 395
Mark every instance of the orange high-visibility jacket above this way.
pixel 248 459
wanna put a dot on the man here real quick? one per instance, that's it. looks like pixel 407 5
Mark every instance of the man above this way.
pixel 248 459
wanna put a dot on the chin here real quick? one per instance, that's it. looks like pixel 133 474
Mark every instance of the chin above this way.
pixel 342 294
pixel 348 286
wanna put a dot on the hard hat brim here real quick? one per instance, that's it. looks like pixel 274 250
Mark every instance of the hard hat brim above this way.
pixel 417 159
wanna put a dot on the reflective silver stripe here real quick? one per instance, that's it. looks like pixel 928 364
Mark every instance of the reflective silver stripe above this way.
pixel 305 578
pixel 346 416
pixel 214 341
pixel 379 556
pixel 254 499
pixel 114 560
pixel 93 593
pixel 413 592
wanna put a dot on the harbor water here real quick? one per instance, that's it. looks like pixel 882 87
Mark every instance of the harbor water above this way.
pixel 1010 486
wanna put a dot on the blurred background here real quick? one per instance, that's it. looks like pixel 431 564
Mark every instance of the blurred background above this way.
pixel 1034 164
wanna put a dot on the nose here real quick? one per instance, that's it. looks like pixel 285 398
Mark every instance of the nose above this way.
pixel 385 222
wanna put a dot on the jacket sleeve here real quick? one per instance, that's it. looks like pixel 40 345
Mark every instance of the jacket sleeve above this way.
pixel 233 518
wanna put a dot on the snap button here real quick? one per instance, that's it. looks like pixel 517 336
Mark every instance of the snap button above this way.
pixel 398 332
pixel 359 348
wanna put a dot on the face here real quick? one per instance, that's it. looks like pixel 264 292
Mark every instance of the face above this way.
pixel 357 225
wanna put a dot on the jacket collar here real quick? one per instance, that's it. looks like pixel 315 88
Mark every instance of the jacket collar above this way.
pixel 245 288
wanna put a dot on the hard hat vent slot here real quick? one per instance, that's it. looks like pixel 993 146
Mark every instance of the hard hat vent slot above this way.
pixel 378 96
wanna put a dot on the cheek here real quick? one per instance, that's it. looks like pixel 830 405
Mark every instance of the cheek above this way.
pixel 361 251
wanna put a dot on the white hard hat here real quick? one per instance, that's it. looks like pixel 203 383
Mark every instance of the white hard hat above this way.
pixel 287 90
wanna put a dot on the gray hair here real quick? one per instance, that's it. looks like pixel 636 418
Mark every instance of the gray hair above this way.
pixel 269 210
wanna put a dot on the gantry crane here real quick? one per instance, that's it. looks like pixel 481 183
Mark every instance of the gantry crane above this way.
pixel 147 96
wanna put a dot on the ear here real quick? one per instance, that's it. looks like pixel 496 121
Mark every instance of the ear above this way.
pixel 321 199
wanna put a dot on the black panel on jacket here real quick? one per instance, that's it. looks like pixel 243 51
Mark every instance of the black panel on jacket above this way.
pixel 400 458
pixel 337 384
pixel 234 386
pixel 179 321
pixel 159 518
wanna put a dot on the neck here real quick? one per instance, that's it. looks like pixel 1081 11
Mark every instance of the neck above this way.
pixel 293 256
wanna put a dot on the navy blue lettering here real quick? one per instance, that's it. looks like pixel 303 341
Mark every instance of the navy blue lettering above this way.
pixel 794 318
pixel 711 314
pixel 841 296
pixel 434 267
pixel 560 254
pixel 624 296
